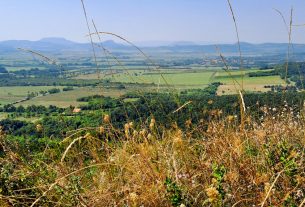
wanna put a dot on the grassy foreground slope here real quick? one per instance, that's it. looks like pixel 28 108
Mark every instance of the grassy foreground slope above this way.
pixel 217 163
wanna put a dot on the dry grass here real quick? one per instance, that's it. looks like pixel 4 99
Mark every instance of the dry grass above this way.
pixel 220 165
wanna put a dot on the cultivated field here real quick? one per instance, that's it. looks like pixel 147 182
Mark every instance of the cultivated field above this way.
pixel 16 93
pixel 193 78
pixel 68 98
pixel 255 84
pixel 179 79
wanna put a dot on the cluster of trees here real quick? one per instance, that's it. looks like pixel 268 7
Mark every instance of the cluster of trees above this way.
pixel 162 106
pixel 36 72
pixel 263 73
pixel 56 126
pixel 54 90
pixel 211 90
pixel 280 88
pixel 90 98
pixel 100 102
pixel 294 72
pixel 32 109
pixel 68 88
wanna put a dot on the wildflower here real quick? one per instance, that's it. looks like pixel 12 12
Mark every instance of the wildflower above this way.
pixel 210 102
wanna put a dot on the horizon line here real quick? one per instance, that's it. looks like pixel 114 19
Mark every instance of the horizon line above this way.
pixel 156 42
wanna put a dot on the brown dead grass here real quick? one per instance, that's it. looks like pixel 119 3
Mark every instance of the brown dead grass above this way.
pixel 220 165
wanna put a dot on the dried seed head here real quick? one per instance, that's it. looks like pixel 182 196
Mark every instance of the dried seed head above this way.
pixel 267 187
pixel 152 123
pixel 149 136
pixel 106 118
pixel 212 193
pixel 219 112
pixel 188 123
pixel 143 132
pixel 130 124
pixel 39 128
pixel 135 133
pixel 133 196
pixel 230 118
pixel 101 130
pixel 126 126
pixel 88 136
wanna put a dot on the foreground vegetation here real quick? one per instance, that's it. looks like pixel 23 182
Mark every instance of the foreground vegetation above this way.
pixel 214 163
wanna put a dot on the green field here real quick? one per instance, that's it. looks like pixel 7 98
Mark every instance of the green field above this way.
pixel 177 78
pixel 196 78
pixel 191 78
pixel 12 94
pixel 67 98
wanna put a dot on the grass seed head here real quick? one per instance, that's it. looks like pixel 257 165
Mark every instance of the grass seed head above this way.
pixel 106 118
pixel 212 194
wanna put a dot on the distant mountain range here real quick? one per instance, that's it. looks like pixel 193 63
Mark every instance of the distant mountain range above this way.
pixel 62 45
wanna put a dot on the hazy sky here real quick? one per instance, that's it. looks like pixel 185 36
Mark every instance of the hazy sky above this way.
pixel 152 20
